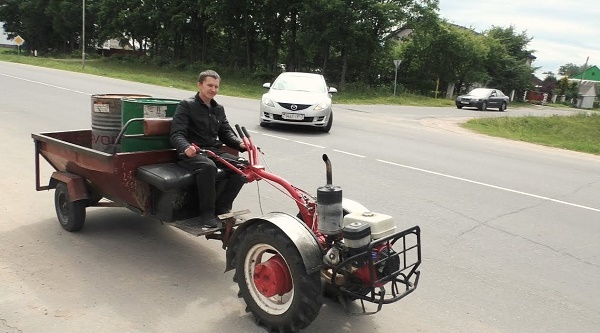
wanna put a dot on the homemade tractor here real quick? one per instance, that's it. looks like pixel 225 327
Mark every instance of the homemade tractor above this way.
pixel 284 263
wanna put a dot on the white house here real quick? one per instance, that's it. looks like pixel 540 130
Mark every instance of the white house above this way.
pixel 4 41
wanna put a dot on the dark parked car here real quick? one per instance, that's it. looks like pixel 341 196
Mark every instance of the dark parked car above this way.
pixel 482 99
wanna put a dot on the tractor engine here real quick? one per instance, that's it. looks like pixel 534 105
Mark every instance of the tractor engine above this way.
pixel 360 256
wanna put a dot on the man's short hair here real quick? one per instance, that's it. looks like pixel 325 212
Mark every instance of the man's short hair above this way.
pixel 207 73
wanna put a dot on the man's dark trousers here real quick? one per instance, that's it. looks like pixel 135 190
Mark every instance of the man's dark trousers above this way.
pixel 214 196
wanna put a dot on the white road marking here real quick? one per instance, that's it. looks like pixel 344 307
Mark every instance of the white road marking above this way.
pixel 309 144
pixel 491 186
pixel 276 137
pixel 347 153
pixel 46 84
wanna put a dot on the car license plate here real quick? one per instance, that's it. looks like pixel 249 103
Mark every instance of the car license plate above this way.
pixel 292 116
pixel 465 102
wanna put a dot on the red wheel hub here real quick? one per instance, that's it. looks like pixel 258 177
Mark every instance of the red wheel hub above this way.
pixel 273 277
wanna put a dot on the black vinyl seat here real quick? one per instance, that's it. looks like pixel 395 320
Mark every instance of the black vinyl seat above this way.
pixel 169 176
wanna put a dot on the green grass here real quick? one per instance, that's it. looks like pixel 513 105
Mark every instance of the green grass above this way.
pixel 579 132
pixel 235 83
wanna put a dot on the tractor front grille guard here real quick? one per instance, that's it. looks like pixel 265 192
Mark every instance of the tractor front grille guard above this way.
pixel 396 271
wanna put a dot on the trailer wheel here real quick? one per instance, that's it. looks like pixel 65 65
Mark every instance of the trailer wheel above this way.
pixel 71 214
pixel 273 280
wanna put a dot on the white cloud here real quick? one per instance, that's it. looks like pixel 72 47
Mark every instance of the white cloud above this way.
pixel 562 31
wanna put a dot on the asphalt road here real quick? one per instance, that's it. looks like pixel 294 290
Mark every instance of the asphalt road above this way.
pixel 510 231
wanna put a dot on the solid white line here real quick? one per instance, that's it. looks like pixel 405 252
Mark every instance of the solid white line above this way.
pixel 308 144
pixel 492 186
pixel 347 153
pixel 46 84
pixel 276 137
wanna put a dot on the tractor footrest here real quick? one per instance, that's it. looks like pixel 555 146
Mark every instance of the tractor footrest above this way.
pixel 192 226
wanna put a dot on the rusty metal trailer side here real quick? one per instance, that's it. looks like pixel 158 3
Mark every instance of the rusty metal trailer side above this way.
pixel 109 175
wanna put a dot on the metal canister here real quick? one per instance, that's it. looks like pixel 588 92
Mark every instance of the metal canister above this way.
pixel 106 119
pixel 329 209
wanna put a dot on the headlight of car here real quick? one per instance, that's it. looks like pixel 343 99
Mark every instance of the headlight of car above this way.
pixel 268 102
pixel 322 106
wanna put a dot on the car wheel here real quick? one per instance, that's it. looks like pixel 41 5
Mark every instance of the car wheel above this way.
pixel 327 127
pixel 459 106
pixel 502 107
pixel 263 124
pixel 483 106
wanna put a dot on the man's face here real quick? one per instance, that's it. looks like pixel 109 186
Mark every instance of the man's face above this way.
pixel 208 88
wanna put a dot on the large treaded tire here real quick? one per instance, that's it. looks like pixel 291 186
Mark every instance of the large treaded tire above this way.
pixel 71 214
pixel 292 311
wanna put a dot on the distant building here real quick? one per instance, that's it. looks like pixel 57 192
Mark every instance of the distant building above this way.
pixel 592 74
pixel 588 83
pixel 4 41
pixel 115 46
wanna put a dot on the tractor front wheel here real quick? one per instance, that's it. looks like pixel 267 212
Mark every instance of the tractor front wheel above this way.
pixel 273 280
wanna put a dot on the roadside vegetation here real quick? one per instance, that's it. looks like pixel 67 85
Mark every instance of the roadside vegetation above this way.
pixel 578 133
pixel 237 83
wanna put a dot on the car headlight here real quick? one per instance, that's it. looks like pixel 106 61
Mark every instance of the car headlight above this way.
pixel 268 102
pixel 322 106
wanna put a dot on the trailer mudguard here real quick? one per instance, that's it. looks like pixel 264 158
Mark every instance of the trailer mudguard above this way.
pixel 302 237
pixel 75 184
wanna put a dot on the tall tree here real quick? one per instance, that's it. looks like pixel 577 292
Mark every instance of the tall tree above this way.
pixel 508 63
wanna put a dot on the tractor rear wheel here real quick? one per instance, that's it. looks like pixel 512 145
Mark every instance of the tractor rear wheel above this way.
pixel 273 280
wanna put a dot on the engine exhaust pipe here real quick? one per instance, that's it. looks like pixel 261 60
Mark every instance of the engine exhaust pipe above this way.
pixel 328 172
pixel 329 204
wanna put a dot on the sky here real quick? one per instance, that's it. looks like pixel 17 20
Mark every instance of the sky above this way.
pixel 563 31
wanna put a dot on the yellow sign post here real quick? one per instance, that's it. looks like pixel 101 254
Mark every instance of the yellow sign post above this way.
pixel 19 41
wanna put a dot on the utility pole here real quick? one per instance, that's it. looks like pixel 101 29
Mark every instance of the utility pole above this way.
pixel 583 71
pixel 396 63
pixel 83 35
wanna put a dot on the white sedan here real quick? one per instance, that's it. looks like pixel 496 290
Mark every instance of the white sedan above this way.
pixel 297 98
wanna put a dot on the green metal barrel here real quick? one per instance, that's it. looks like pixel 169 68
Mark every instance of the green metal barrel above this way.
pixel 145 108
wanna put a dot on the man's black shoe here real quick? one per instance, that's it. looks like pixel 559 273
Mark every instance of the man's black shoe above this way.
pixel 208 220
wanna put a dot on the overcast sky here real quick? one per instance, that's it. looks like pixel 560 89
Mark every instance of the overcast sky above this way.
pixel 563 31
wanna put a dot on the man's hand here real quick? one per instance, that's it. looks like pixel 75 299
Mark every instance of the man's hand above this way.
pixel 243 146
pixel 190 151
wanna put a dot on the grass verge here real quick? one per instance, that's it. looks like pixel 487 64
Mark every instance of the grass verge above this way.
pixel 579 132
pixel 235 83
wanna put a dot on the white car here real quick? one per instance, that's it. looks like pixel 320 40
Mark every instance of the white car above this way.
pixel 297 98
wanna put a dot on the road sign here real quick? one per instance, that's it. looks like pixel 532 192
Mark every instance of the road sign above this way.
pixel 397 63
pixel 19 40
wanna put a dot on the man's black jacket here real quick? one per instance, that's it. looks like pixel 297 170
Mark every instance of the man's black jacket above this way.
pixel 207 127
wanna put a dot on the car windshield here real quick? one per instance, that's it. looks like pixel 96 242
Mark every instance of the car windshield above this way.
pixel 300 83
pixel 480 92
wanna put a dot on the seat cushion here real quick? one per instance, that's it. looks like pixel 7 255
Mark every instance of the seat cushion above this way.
pixel 169 176
pixel 166 176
